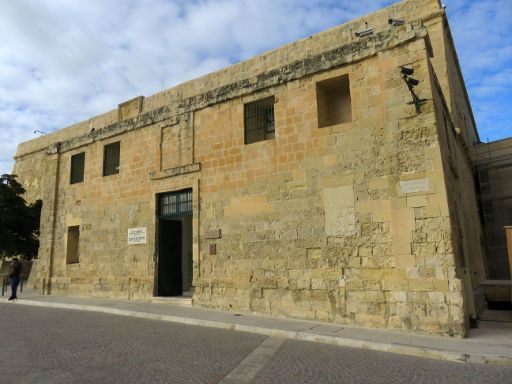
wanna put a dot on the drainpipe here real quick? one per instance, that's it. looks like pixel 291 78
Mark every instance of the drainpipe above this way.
pixel 54 221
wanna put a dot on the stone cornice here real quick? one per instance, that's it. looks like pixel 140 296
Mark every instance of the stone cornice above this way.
pixel 344 54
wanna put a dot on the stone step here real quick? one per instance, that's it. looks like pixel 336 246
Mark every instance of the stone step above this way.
pixel 175 300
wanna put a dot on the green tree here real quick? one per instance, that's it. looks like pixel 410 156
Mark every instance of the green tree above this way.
pixel 19 221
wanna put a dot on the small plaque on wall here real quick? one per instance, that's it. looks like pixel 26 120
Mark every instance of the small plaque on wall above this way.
pixel 414 186
pixel 213 249
pixel 137 235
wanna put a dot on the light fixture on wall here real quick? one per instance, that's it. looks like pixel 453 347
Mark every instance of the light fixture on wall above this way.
pixel 411 83
pixel 396 22
pixel 406 71
pixel 365 32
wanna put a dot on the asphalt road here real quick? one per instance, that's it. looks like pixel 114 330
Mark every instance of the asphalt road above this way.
pixel 43 345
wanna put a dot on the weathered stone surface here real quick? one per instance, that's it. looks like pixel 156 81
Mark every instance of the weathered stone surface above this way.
pixel 355 223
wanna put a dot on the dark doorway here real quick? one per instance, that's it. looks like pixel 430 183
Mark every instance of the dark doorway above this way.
pixel 169 258
pixel 174 265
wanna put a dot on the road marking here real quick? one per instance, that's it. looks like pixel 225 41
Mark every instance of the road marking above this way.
pixel 252 364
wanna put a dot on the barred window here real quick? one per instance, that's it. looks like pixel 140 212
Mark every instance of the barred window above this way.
pixel 111 159
pixel 77 168
pixel 176 204
pixel 259 120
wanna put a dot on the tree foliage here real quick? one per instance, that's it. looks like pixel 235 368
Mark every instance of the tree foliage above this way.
pixel 19 221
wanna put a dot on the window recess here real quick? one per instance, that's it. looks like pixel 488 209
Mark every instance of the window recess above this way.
pixel 259 123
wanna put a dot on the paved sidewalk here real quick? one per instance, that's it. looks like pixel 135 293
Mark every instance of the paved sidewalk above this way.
pixel 491 343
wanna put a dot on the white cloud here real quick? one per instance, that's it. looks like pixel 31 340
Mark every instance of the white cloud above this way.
pixel 62 61
pixel 482 32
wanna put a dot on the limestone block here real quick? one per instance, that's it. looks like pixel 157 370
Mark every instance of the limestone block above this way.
pixel 331 181
pixel 248 205
pixel 318 283
pixel 455 285
pixel 420 285
pixel 379 209
pixel 303 314
pixel 354 262
pixel 403 259
pixel 369 320
pixel 366 296
pixel 304 282
pixel 377 262
pixel 440 201
pixel 339 209
pixel 394 285
pixel 396 296
pixel 437 297
pixel 440 285
pixel 323 315
pixel 402 227
pixel 362 285
pixel 417 201
pixel 314 253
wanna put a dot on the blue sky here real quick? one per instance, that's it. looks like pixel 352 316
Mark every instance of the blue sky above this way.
pixel 63 61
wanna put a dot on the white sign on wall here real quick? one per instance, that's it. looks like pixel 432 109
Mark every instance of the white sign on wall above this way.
pixel 137 235
pixel 413 186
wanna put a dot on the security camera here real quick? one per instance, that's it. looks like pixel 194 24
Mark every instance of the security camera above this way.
pixel 407 71
pixel 366 32
pixel 412 81
pixel 396 22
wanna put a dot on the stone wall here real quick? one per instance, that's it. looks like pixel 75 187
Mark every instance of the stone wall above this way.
pixel 352 223
pixel 347 223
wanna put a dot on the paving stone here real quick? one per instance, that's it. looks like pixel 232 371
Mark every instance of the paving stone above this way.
pixel 54 346
pixel 302 362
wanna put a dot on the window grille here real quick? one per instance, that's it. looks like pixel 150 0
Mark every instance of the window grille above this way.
pixel 77 168
pixel 259 120
pixel 111 159
pixel 176 204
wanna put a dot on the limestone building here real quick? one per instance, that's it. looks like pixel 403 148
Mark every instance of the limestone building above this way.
pixel 329 179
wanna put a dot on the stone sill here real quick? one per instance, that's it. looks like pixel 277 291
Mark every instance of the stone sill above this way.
pixel 176 171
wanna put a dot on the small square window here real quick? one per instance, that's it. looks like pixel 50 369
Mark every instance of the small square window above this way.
pixel 72 256
pixel 333 101
pixel 77 168
pixel 259 120
pixel 111 159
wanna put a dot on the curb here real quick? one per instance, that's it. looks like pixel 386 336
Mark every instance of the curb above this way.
pixel 402 349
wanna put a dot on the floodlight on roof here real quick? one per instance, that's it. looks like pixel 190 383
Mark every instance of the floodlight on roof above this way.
pixel 396 22
pixel 366 32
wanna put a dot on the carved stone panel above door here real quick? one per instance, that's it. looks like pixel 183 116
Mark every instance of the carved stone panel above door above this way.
pixel 177 143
